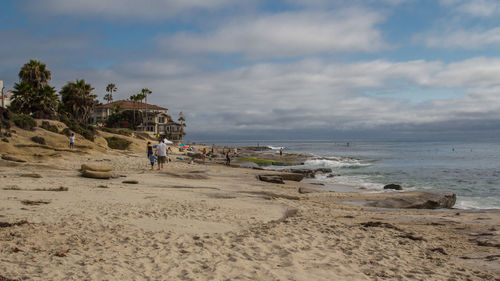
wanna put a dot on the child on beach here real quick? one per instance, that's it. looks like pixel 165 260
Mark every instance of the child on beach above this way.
pixel 152 159
pixel 72 140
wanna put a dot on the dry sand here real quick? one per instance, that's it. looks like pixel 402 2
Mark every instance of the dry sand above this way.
pixel 197 222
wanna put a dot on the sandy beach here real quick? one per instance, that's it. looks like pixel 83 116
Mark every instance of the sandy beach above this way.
pixel 213 222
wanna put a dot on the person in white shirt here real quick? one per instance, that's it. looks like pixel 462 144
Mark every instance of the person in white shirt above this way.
pixel 72 140
pixel 162 154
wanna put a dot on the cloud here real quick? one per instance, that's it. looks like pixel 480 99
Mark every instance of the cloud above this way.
pixel 316 95
pixel 149 10
pixel 466 39
pixel 287 34
pixel 475 8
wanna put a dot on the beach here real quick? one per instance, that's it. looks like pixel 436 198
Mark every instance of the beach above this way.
pixel 214 222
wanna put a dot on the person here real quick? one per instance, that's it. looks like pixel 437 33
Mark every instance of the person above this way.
pixel 152 159
pixel 228 158
pixel 204 155
pixel 213 149
pixel 162 154
pixel 281 151
pixel 150 149
pixel 235 151
pixel 72 141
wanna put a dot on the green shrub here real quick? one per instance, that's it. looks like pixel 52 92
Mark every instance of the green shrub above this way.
pixel 66 132
pixel 47 126
pixel 86 131
pixel 38 139
pixel 5 140
pixel 5 116
pixel 24 121
pixel 118 143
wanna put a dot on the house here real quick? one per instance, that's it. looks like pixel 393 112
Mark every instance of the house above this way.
pixel 5 99
pixel 155 119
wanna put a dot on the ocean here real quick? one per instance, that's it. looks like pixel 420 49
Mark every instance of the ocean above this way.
pixel 471 169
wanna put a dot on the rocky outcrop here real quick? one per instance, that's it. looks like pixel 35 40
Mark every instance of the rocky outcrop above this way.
pixel 89 167
pixel 289 176
pixel 13 158
pixel 393 186
pixel 96 175
pixel 311 173
pixel 418 200
pixel 195 155
pixel 272 179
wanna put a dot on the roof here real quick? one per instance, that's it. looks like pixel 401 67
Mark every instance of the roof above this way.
pixel 126 104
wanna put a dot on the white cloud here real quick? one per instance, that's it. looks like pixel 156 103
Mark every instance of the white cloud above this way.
pixel 467 39
pixel 125 9
pixel 317 94
pixel 287 34
pixel 475 8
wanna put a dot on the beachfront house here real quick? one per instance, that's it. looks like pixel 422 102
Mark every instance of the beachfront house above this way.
pixel 155 119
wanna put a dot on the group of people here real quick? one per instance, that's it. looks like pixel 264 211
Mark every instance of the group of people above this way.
pixel 158 155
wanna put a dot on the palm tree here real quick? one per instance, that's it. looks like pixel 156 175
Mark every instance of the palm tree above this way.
pixel 110 89
pixel 78 100
pixel 35 73
pixel 145 92
pixel 33 94
pixel 135 98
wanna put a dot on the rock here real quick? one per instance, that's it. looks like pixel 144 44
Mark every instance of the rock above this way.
pixel 130 182
pixel 13 158
pixel 305 190
pixel 418 200
pixel 89 167
pixel 96 174
pixel 289 176
pixel 272 179
pixel 393 186
pixel 311 173
pixel 36 176
pixel 249 165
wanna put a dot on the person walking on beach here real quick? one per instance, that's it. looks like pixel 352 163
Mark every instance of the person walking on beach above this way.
pixel 162 154
pixel 204 155
pixel 228 158
pixel 149 149
pixel 72 141
pixel 281 151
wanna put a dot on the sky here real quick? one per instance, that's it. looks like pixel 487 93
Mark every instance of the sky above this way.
pixel 284 69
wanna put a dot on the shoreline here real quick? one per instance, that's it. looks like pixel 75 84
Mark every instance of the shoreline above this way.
pixel 217 222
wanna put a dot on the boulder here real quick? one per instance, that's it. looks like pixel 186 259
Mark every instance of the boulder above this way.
pixel 13 158
pixel 272 179
pixel 96 174
pixel 418 200
pixel 89 167
pixel 393 186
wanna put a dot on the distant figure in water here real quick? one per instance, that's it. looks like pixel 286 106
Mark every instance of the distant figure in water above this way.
pixel 281 151
pixel 347 144
pixel 453 149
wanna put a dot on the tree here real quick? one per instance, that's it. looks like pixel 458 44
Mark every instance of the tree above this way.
pixel 135 99
pixel 35 73
pixel 78 99
pixel 110 89
pixel 183 123
pixel 33 95
pixel 145 92
pixel 40 103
